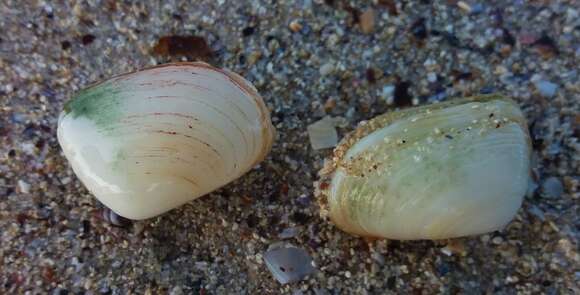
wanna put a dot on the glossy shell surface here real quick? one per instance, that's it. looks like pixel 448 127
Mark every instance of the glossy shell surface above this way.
pixel 148 141
pixel 440 171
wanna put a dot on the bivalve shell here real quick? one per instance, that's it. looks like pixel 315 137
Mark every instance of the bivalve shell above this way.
pixel 439 171
pixel 148 141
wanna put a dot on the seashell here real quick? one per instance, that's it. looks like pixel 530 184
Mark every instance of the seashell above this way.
pixel 439 171
pixel 148 141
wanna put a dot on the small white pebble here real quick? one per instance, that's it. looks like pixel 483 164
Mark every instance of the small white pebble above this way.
pixel 464 6
pixel 326 69
pixel 23 186
pixel 270 67
pixel 28 148
pixel 446 251
pixel 497 240
pixel 431 77
pixel 387 94
pixel 404 269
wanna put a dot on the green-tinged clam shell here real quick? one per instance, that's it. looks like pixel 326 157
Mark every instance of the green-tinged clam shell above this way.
pixel 148 141
pixel 445 170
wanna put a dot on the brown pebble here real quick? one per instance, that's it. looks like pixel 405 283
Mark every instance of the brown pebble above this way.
pixel 456 246
pixel 329 104
pixel 295 26
pixel 192 47
pixel 367 21
pixel 546 46
pixel 505 50
pixel 370 75
pixel 391 6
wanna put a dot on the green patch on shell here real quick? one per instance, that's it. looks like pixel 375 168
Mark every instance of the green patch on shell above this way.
pixel 100 103
pixel 120 158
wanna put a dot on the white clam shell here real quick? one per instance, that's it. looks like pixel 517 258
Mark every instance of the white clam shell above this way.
pixel 440 171
pixel 148 141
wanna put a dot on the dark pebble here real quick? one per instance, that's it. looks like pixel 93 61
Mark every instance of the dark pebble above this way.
pixel 193 47
pixel 508 38
pixel 442 269
pixel 248 31
pixel 392 282
pixel 299 217
pixel 252 221
pixel 370 74
pixel 59 291
pixel 65 45
pixel 418 29
pixel 88 39
pixel 546 43
pixel 401 95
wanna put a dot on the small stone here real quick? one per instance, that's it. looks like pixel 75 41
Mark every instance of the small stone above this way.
pixel 329 104
pixel 322 134
pixel 326 69
pixel 432 77
pixel 367 21
pixel 464 6
pixel 176 291
pixel 552 188
pixel 477 8
pixel 485 238
pixel 419 29
pixel 23 186
pixel 454 246
pixel 537 212
pixel 527 38
pixel 497 240
pixel 387 94
pixel 194 47
pixel 289 264
pixel 289 233
pixel 65 180
pixel 546 88
pixel 378 258
pixel 446 251
pixel 254 57
pixel 295 26
pixel 28 148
